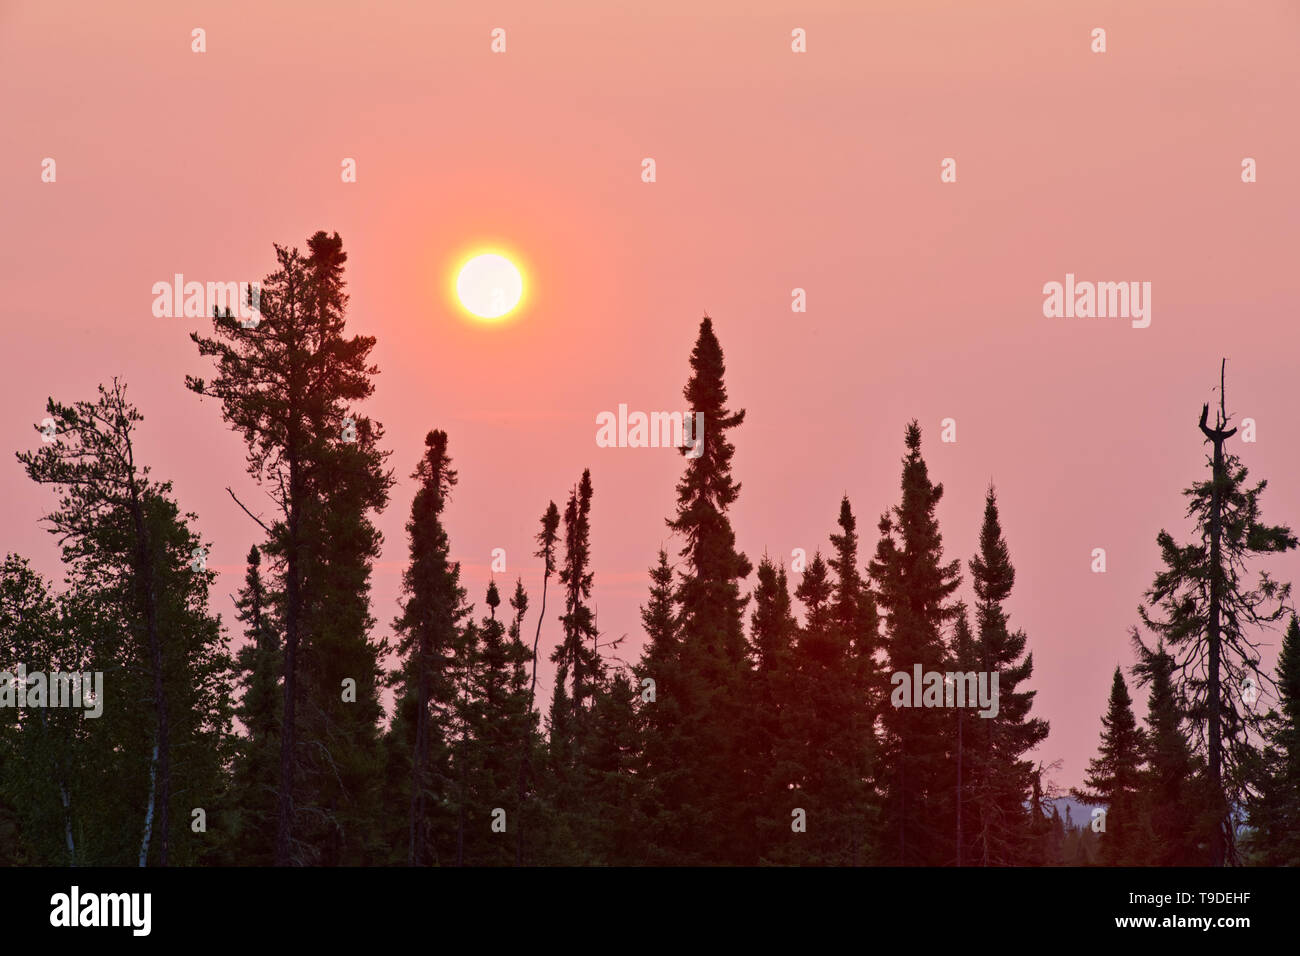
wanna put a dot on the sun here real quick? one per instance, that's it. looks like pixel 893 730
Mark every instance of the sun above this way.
pixel 489 286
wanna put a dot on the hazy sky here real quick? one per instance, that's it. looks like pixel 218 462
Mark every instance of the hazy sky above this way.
pixel 774 171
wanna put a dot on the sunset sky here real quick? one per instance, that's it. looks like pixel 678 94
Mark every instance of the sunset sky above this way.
pixel 774 171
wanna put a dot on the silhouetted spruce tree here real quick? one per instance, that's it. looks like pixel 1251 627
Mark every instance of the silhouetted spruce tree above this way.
pixel 341 672
pixel 714 819
pixel 257 752
pixel 1114 779
pixel 857 619
pixel 579 671
pixel 430 637
pixel 806 747
pixel 776 763
pixel 1173 793
pixel 1203 608
pixel 521 719
pixel 138 591
pixel 913 587
pixel 466 756
pixel 286 385
pixel 1274 807
pixel 659 715
pixel 498 717
pixel 1002 777
pixel 829 753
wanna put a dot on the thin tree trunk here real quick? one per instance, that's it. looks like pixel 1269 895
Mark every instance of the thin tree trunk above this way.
pixel 525 762
pixel 160 768
pixel 1217 435
pixel 532 690
pixel 148 814
pixel 160 753
pixel 1216 770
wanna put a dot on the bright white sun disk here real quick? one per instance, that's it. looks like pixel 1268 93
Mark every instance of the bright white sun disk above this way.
pixel 489 286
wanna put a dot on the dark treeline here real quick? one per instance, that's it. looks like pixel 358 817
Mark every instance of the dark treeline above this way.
pixel 761 724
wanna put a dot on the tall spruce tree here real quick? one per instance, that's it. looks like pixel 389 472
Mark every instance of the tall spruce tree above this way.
pixel 914 586
pixel 713 822
pixel 288 385
pixel 576 656
pixel 579 671
pixel 341 672
pixel 858 620
pixel 1114 780
pixel 1201 605
pixel 430 636
pixel 1001 776
pixel 659 716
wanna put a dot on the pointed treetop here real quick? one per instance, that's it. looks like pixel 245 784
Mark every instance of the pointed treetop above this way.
pixel 991 569
pixel 706 391
pixel 913 437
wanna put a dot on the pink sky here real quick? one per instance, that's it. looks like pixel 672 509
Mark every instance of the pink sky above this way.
pixel 775 170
